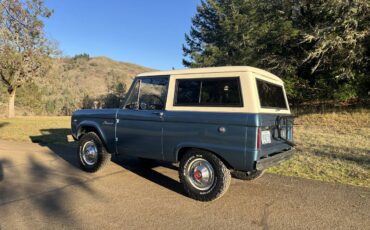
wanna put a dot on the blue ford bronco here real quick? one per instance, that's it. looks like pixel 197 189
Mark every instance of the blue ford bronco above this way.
pixel 215 122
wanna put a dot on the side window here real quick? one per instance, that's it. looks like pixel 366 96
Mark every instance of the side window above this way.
pixel 209 92
pixel 149 93
pixel 223 92
pixel 188 92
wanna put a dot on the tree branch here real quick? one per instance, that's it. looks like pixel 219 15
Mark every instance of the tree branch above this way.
pixel 14 18
pixel 7 83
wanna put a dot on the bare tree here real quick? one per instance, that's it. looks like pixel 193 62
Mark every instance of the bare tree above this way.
pixel 24 49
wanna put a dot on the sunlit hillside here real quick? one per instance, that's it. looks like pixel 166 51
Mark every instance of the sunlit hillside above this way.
pixel 67 82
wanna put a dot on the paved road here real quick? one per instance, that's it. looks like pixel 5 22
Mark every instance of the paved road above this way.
pixel 41 187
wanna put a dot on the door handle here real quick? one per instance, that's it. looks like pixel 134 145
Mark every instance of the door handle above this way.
pixel 160 114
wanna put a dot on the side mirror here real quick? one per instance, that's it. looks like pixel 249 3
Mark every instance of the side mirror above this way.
pixel 143 106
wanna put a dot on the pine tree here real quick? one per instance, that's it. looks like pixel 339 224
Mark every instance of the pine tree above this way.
pixel 321 48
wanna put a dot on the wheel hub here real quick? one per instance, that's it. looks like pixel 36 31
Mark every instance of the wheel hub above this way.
pixel 89 153
pixel 201 174
pixel 198 175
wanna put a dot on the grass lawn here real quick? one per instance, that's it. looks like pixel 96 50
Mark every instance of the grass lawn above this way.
pixel 331 147
pixel 37 129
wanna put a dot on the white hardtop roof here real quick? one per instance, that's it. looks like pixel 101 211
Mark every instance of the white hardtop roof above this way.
pixel 225 69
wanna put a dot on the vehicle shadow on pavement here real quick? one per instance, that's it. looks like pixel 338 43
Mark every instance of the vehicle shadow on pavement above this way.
pixel 56 140
pixel 147 170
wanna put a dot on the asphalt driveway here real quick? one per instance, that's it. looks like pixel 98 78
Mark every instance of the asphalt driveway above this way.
pixel 41 187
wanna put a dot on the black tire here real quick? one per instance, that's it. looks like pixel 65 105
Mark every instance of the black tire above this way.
pixel 247 175
pixel 102 155
pixel 222 177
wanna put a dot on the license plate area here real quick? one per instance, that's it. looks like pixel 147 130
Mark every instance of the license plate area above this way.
pixel 266 137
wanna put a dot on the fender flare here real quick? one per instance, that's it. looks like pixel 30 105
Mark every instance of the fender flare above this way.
pixel 96 126
pixel 195 146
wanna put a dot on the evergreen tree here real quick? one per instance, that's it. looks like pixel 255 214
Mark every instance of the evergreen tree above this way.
pixel 320 48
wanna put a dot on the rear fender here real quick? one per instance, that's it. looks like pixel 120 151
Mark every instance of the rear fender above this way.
pixel 228 155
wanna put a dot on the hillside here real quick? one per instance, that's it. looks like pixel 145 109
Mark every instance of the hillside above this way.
pixel 68 81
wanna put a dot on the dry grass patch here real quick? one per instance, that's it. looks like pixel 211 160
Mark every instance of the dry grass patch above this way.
pixel 331 147
pixel 37 129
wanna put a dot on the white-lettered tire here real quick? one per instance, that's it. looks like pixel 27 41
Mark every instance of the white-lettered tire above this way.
pixel 91 153
pixel 203 175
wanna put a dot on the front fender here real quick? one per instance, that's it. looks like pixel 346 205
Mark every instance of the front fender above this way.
pixel 94 126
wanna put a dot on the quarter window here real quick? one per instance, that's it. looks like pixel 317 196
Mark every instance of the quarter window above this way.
pixel 271 95
pixel 209 92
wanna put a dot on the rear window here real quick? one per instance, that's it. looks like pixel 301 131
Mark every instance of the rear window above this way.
pixel 271 95
pixel 208 92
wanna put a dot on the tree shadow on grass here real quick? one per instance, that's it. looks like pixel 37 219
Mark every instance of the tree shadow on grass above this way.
pixel 3 124
pixel 56 140
pixel 348 155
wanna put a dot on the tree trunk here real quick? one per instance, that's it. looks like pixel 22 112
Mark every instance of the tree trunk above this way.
pixel 11 109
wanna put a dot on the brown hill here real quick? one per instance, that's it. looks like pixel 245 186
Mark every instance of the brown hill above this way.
pixel 68 81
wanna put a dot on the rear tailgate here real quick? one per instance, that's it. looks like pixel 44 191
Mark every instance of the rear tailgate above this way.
pixel 276 134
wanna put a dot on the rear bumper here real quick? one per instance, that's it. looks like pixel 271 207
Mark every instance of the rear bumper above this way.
pixel 274 160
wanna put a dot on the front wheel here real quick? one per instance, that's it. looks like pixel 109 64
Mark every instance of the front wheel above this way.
pixel 91 153
pixel 203 175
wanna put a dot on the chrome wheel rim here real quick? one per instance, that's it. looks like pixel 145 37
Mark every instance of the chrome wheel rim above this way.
pixel 89 153
pixel 200 174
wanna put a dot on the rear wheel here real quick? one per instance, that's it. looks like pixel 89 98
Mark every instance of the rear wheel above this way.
pixel 203 175
pixel 91 153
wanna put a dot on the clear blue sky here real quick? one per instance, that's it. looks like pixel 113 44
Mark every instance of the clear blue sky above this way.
pixel 144 32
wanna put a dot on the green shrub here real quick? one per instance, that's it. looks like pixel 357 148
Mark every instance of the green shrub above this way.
pixel 345 92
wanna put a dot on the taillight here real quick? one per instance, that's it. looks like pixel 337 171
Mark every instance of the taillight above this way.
pixel 258 144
